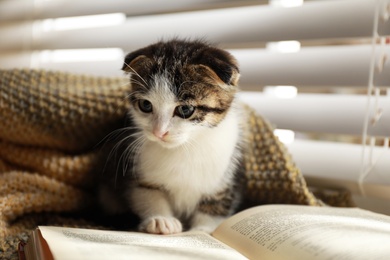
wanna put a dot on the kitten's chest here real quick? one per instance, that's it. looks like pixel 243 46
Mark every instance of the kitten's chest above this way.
pixel 186 174
pixel 199 165
pixel 195 169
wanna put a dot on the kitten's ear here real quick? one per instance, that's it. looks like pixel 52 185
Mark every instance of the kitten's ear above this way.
pixel 135 60
pixel 222 63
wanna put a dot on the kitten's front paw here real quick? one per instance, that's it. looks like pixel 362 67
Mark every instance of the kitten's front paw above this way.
pixel 161 225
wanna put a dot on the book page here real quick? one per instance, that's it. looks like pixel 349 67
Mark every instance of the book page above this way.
pixel 303 232
pixel 72 243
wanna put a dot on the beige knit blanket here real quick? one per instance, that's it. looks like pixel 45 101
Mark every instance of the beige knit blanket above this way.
pixel 50 123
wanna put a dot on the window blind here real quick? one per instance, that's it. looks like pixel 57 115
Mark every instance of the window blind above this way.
pixel 336 69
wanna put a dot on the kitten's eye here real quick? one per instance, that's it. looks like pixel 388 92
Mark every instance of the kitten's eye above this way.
pixel 145 106
pixel 184 111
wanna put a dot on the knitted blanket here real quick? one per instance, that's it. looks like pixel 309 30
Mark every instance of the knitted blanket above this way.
pixel 50 125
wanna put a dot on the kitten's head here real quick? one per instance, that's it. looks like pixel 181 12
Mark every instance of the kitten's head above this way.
pixel 178 88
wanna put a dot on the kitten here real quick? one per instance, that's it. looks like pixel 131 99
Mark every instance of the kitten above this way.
pixel 180 156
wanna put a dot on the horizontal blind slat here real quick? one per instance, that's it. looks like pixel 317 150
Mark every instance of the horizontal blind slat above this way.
pixel 340 164
pixel 321 113
pixel 13 10
pixel 311 66
pixel 328 19
pixel 45 60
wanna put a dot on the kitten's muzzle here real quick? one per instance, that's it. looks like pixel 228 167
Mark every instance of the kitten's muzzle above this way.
pixel 160 134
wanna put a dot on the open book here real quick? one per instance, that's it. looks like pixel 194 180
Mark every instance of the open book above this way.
pixel 263 232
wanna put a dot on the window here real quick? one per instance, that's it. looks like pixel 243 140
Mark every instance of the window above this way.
pixel 319 70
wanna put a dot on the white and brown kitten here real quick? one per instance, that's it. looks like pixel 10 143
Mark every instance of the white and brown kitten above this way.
pixel 179 165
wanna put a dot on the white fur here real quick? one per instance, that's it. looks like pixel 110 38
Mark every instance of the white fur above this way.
pixel 191 161
pixel 189 171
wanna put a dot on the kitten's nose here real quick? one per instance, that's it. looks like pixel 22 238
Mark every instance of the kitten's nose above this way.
pixel 160 134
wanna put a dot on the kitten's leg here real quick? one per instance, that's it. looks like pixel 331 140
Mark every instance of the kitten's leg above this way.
pixel 213 209
pixel 153 207
pixel 205 222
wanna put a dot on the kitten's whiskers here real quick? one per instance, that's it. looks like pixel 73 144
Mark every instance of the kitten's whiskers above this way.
pixel 145 87
pixel 114 151
pixel 132 151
